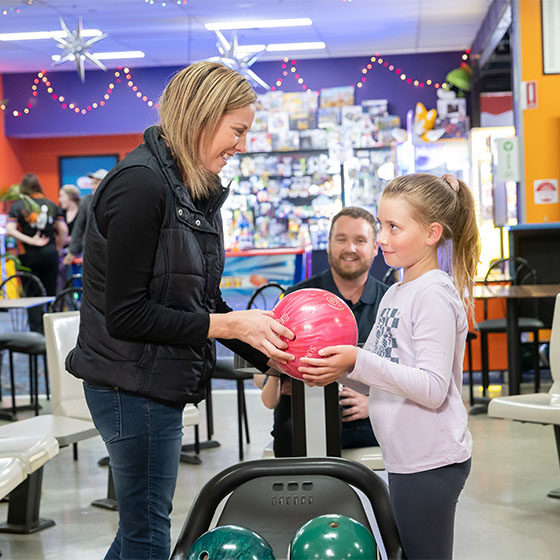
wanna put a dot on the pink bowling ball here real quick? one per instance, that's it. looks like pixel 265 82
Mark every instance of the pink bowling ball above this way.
pixel 318 319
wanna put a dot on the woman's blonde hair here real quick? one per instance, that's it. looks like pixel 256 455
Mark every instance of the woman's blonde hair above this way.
pixel 449 202
pixel 72 192
pixel 190 109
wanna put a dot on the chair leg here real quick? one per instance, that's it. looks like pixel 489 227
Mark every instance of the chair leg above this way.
pixel 36 379
pixel 556 492
pixel 196 440
pixel 110 502
pixel 23 510
pixel 209 412
pixel 32 380
pixel 536 365
pixel 47 384
pixel 13 383
pixel 240 420
pixel 1 364
pixel 471 382
pixel 245 417
pixel 484 361
pixel 75 451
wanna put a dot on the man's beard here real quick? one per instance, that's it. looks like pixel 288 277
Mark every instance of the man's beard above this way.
pixel 348 274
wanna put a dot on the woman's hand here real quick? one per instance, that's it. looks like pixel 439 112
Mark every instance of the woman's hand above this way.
pixel 336 362
pixel 255 327
pixel 38 240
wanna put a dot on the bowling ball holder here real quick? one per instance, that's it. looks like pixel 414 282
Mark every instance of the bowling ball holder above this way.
pixel 275 497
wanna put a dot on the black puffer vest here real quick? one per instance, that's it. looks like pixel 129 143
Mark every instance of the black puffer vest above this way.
pixel 187 269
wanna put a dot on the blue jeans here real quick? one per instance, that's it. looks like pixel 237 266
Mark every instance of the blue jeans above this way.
pixel 143 438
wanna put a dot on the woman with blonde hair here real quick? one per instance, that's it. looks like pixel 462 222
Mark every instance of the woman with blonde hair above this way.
pixel 152 305
pixel 69 201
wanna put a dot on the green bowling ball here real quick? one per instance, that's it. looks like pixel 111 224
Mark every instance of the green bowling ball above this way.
pixel 333 536
pixel 230 542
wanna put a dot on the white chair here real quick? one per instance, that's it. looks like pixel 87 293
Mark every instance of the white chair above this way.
pixel 61 333
pixel 537 408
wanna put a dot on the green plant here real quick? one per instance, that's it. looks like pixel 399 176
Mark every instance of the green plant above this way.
pixel 14 193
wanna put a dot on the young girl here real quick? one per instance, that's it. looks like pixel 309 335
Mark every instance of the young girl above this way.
pixel 413 358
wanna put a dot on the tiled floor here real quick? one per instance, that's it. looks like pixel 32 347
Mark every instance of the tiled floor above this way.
pixel 503 513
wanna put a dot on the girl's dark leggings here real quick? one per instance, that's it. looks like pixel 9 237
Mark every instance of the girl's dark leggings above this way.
pixel 424 504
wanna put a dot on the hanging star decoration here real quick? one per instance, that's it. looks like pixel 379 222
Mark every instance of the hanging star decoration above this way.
pixel 230 57
pixel 76 48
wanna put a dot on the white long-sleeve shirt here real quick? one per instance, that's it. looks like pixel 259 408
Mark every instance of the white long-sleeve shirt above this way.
pixel 413 361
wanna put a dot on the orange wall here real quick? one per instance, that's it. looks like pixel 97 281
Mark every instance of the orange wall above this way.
pixel 10 167
pixel 541 126
pixel 40 155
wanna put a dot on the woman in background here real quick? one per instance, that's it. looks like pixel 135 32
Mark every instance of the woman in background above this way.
pixel 69 201
pixel 39 235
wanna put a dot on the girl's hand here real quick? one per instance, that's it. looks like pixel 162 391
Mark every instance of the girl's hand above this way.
pixel 336 362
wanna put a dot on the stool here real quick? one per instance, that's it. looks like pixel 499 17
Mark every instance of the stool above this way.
pixel 225 369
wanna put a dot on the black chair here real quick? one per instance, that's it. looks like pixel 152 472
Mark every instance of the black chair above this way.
pixel 238 370
pixel 68 299
pixel 22 341
pixel 73 281
pixel 390 276
pixel 470 337
pixel 517 271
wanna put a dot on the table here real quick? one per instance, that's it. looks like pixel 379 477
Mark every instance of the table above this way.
pixel 512 294
pixel 6 304
pixel 24 302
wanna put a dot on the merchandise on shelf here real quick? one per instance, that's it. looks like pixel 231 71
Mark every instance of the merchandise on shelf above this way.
pixel 275 195
pixel 290 184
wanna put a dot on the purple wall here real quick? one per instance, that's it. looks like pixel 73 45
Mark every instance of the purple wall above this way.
pixel 124 113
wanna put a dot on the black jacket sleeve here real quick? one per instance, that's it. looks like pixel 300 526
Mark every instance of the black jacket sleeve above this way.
pixel 247 352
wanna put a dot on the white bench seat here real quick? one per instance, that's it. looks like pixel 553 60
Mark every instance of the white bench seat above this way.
pixel 371 457
pixel 33 452
pixel 12 474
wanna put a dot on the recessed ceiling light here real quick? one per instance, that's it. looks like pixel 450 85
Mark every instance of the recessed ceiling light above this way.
pixel 114 55
pixel 275 47
pixel 257 24
pixel 34 35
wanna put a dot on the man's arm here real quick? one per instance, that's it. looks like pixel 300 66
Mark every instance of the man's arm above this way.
pixel 78 232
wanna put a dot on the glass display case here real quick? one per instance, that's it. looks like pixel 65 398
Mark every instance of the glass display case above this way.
pixel 438 158
pixel 366 174
pixel 490 193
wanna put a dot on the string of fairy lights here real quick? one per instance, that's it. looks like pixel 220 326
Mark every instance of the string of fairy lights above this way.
pixel 122 75
pixel 14 10
pixel 288 66
pixel 374 62
pixel 165 3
